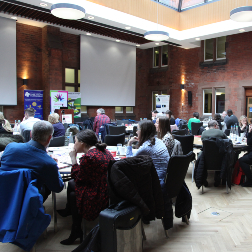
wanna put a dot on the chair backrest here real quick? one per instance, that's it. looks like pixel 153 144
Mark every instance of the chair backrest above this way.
pixel 179 132
pixel 57 141
pixel 195 127
pixel 212 157
pixel 26 135
pixel 184 126
pixel 116 130
pixel 227 132
pixel 113 140
pixel 176 172
pixel 186 142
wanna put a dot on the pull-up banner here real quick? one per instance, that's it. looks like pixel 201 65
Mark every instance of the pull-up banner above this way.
pixel 74 102
pixel 34 99
pixel 58 99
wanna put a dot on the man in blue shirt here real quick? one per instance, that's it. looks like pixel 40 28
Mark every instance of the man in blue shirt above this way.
pixel 33 155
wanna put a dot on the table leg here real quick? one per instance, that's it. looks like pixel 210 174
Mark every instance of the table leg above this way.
pixel 54 211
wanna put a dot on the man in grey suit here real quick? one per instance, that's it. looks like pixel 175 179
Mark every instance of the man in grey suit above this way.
pixel 213 131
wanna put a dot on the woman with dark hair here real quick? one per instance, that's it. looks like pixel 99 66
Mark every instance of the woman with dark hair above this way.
pixel 217 117
pixel 164 132
pixel 194 119
pixel 149 144
pixel 170 116
pixel 87 192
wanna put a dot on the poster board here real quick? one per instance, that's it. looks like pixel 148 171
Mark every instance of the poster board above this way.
pixel 162 103
pixel 34 99
pixel 74 102
pixel 58 99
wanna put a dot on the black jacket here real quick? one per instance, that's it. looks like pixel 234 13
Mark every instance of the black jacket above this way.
pixel 135 179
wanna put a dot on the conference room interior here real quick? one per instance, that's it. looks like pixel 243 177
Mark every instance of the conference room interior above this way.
pixel 207 53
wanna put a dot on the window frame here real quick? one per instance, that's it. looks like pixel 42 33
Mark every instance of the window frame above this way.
pixel 76 85
pixel 119 112
pixel 129 112
pixel 204 101
pixel 217 49
pixel 207 60
pixel 162 56
pixel 153 61
pixel 215 92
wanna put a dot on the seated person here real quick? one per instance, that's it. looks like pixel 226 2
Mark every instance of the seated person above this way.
pixel 28 120
pixel 32 155
pixel 87 193
pixel 150 145
pixel 59 129
pixel 232 119
pixel 246 160
pixel 5 127
pixel 154 115
pixel 217 117
pixel 194 119
pixel 164 133
pixel 243 125
pixel 170 116
pixel 213 131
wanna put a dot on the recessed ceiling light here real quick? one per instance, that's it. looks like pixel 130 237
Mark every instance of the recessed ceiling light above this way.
pixel 156 43
pixel 90 17
pixel 137 45
pixel 118 40
pixel 242 30
pixel 43 4
pixel 14 18
pixel 89 34
pixel 186 48
pixel 197 38
pixel 127 27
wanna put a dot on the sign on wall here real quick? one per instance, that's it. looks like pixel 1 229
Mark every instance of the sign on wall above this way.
pixel 34 99
pixel 74 102
pixel 58 99
pixel 162 103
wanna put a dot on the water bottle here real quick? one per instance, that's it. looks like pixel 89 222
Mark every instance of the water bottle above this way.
pixel 99 137
pixel 18 126
pixel 237 132
pixel 71 141
pixel 231 133
pixel 15 128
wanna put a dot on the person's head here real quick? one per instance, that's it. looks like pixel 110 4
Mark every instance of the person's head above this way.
pixel 162 126
pixel 42 132
pixel 154 113
pixel 29 112
pixel 146 130
pixel 168 113
pixel 243 120
pixel 100 111
pixel 196 115
pixel 224 114
pixel 229 112
pixel 52 119
pixel 56 115
pixel 217 117
pixel 86 139
pixel 213 124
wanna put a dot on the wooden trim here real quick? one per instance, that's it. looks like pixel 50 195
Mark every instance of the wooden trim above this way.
pixel 248 92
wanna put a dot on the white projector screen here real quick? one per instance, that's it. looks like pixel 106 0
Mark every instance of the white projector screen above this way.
pixel 8 71
pixel 108 73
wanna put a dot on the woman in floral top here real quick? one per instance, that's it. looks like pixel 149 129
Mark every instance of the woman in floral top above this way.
pixel 164 132
pixel 87 192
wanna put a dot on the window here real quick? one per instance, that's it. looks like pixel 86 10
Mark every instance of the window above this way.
pixel 221 48
pixel 129 109
pixel 208 49
pixel 165 55
pixel 155 56
pixel 219 100
pixel 72 80
pixel 207 101
pixel 118 109
pixel 83 109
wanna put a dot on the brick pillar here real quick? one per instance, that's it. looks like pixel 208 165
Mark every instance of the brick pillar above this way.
pixel 52 58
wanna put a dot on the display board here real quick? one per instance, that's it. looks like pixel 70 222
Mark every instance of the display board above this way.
pixel 74 102
pixel 162 103
pixel 59 99
pixel 34 99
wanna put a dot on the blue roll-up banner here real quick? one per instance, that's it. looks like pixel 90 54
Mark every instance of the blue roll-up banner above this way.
pixel 34 99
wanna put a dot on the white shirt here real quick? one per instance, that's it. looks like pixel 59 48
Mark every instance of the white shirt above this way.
pixel 28 124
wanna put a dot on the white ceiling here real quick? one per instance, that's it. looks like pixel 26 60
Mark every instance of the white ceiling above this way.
pixel 119 19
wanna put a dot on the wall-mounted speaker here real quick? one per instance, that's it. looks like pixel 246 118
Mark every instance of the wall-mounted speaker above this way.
pixel 190 98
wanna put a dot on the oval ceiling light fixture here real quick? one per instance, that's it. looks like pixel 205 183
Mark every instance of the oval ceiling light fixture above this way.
pixel 68 11
pixel 241 14
pixel 156 35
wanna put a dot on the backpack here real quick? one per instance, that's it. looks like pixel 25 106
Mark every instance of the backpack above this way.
pixel 88 124
pixel 181 122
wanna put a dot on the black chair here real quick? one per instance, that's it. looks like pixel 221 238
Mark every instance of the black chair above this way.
pixel 57 141
pixel 179 132
pixel 184 126
pixel 116 130
pixel 227 132
pixel 187 146
pixel 212 157
pixel 26 135
pixel 176 173
pixel 195 127
pixel 113 140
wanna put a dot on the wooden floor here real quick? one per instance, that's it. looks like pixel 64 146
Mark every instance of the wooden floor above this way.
pixel 219 222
